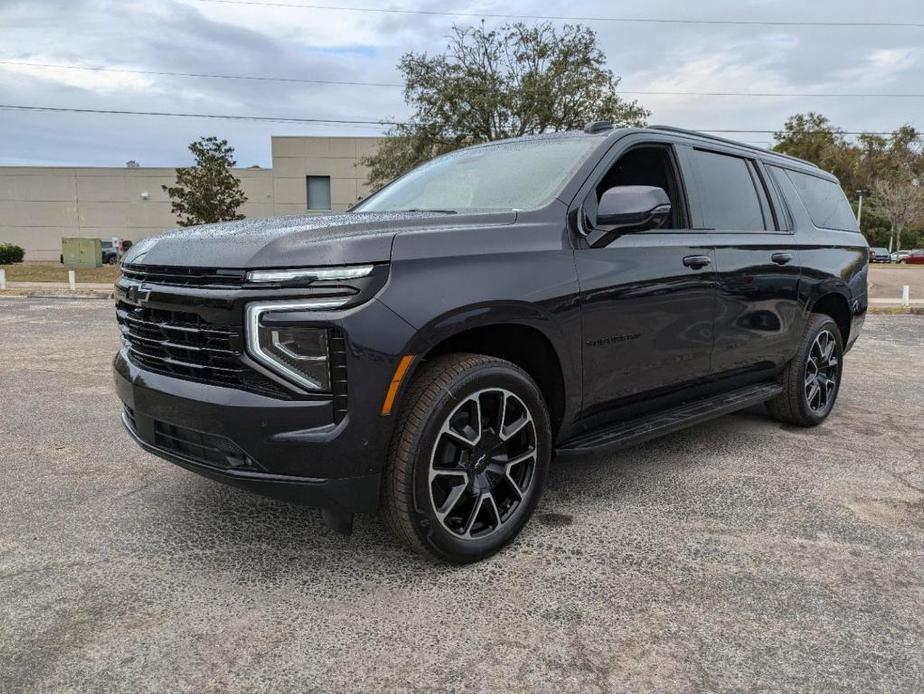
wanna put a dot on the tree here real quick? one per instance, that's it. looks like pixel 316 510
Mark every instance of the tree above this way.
pixel 811 136
pixel 207 192
pixel 860 165
pixel 490 85
pixel 901 199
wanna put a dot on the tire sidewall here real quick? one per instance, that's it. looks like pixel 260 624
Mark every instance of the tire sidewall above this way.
pixel 820 324
pixel 428 527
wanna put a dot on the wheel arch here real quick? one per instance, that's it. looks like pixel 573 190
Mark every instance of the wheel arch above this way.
pixel 836 305
pixel 526 338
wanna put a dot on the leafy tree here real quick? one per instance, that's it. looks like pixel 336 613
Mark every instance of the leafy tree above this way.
pixel 491 85
pixel 207 192
pixel 809 136
pixel 901 199
pixel 869 162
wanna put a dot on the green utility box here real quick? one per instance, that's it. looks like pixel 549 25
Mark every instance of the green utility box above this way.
pixel 77 252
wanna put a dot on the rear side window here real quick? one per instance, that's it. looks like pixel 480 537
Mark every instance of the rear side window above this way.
pixel 825 201
pixel 728 191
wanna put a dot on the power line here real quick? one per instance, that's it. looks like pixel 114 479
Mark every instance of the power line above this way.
pixel 331 121
pixel 599 18
pixel 260 78
pixel 171 114
pixel 270 78
pixel 776 94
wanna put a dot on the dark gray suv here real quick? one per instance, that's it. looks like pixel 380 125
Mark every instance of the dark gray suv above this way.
pixel 428 353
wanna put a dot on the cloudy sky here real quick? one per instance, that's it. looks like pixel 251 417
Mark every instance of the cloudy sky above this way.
pixel 230 37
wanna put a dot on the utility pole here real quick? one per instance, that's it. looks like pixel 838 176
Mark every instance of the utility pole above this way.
pixel 860 209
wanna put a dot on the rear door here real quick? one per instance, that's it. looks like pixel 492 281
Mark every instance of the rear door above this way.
pixel 758 312
pixel 647 297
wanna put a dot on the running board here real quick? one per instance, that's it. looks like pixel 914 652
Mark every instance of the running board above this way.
pixel 630 432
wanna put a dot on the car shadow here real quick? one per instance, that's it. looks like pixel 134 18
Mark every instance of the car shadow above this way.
pixel 226 529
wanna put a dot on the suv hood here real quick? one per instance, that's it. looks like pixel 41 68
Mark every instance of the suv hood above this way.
pixel 298 241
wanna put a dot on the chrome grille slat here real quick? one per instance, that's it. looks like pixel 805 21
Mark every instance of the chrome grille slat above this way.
pixel 184 276
pixel 183 345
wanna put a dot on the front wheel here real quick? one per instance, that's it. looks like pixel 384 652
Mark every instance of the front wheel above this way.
pixel 469 458
pixel 812 379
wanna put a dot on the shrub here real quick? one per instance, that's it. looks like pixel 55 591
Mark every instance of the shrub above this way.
pixel 10 253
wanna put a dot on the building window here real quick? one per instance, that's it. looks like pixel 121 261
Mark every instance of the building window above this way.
pixel 318 192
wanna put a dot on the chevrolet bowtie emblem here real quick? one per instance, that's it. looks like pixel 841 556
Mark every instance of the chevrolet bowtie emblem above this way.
pixel 139 294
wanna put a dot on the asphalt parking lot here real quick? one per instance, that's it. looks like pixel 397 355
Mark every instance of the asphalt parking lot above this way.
pixel 741 555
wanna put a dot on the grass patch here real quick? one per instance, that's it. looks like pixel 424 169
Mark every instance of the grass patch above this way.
pixel 55 272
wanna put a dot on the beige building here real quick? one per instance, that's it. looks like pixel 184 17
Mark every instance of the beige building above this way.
pixel 41 205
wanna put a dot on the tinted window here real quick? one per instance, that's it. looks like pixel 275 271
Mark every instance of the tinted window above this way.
pixel 729 198
pixel 825 201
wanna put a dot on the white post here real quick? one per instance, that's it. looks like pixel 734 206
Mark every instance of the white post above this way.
pixel 72 279
pixel 2 279
pixel 906 295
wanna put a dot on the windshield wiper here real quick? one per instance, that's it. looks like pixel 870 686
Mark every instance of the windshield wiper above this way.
pixel 432 209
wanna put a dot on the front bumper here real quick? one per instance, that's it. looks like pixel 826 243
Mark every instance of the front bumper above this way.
pixel 289 450
pixel 350 495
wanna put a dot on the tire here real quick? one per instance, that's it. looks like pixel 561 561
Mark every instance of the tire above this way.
pixel 809 393
pixel 458 501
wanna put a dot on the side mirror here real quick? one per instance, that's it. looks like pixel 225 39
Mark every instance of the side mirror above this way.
pixel 628 208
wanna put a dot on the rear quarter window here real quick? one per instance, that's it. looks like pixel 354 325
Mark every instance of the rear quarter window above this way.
pixel 825 201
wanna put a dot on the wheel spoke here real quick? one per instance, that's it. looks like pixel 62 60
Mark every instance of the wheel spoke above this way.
pixel 489 501
pixel 458 436
pixel 476 509
pixel 813 391
pixel 451 501
pixel 512 430
pixel 502 414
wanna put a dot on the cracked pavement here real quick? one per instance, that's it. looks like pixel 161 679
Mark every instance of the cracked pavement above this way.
pixel 738 555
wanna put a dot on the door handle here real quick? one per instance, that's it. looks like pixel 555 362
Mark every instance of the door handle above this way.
pixel 781 258
pixel 697 261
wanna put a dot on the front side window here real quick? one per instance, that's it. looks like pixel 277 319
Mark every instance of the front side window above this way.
pixel 730 200
pixel 649 165
pixel 517 175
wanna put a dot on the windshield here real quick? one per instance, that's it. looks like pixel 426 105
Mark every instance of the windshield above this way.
pixel 514 175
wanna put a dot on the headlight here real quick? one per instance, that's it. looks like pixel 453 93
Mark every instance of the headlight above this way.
pixel 343 272
pixel 298 353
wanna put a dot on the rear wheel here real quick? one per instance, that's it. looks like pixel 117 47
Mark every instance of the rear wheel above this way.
pixel 469 458
pixel 812 379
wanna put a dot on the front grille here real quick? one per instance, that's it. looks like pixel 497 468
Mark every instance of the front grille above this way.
pixel 184 345
pixel 184 276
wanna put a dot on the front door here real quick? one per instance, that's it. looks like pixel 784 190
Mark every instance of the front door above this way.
pixel 647 297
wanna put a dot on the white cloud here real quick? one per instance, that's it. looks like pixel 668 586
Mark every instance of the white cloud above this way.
pixel 204 37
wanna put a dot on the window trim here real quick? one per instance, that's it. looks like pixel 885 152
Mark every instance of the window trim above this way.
pixel 785 221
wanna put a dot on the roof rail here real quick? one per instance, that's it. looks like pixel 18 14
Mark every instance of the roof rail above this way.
pixel 716 138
